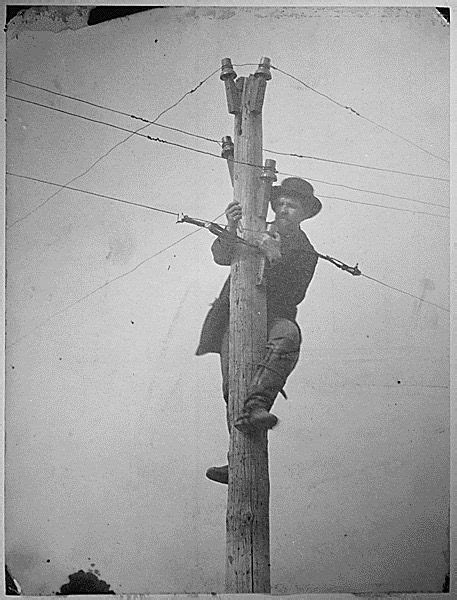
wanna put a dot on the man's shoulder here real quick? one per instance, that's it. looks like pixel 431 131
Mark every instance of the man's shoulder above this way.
pixel 304 243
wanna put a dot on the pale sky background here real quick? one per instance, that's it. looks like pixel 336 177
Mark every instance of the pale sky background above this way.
pixel 111 420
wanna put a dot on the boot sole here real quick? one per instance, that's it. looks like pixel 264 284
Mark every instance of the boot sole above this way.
pixel 257 424
pixel 216 476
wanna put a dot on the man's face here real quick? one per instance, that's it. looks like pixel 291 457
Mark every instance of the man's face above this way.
pixel 289 212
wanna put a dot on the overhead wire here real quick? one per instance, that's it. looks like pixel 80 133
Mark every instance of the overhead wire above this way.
pixel 410 210
pixel 132 133
pixel 213 140
pixel 351 164
pixel 199 151
pixel 123 201
pixel 358 114
pixel 356 271
pixel 177 213
pixel 122 275
pixel 357 189
pixel 118 127
pixel 404 292
pixel 104 285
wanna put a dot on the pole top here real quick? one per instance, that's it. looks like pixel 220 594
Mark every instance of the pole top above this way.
pixel 263 70
pixel 227 71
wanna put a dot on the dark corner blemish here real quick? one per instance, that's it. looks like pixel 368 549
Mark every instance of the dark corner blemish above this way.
pixel 100 14
pixel 132 322
pixel 398 381
pixel 12 366
pixel 12 11
pixel 445 12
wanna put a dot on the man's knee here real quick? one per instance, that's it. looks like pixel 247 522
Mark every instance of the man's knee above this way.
pixel 285 334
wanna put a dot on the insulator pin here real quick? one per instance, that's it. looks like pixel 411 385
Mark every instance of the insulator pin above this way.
pixel 263 70
pixel 227 147
pixel 227 71
pixel 269 170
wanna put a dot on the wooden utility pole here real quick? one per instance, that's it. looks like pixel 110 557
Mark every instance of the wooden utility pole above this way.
pixel 247 524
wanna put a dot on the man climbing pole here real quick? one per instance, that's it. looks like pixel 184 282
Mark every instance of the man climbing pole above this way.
pixel 290 265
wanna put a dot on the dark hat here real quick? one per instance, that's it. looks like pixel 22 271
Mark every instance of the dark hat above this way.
pixel 300 189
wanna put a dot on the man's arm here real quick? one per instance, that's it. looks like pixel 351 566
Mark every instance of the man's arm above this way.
pixel 223 249
pixel 306 267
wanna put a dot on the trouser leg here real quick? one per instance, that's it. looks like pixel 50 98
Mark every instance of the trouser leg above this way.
pixel 280 358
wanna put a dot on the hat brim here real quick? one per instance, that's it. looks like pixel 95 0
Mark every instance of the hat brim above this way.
pixel 311 205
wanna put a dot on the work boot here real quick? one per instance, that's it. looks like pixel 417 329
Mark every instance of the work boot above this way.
pixel 255 419
pixel 219 474
pixel 268 381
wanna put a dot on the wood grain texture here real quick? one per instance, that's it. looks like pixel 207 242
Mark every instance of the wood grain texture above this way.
pixel 247 524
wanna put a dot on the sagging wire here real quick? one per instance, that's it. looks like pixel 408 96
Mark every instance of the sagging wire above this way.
pixel 123 201
pixel 213 140
pixel 220 232
pixel 207 153
pixel 358 114
pixel 132 133
pixel 104 285
pixel 350 164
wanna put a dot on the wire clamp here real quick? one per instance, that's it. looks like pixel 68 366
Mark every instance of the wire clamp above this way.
pixel 341 265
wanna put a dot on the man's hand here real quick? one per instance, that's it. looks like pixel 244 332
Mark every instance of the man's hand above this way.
pixel 270 245
pixel 233 213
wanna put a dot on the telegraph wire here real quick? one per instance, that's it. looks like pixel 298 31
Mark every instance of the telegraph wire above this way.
pixel 62 186
pixel 46 181
pixel 410 210
pixel 199 151
pixel 350 164
pixel 132 133
pixel 187 94
pixel 162 210
pixel 403 292
pixel 357 189
pixel 353 111
pixel 114 147
pixel 104 285
pixel 356 271
pixel 381 385
pixel 175 213
pixel 202 137
pixel 143 135
pixel 115 111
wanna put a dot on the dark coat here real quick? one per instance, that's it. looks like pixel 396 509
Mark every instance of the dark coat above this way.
pixel 286 285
